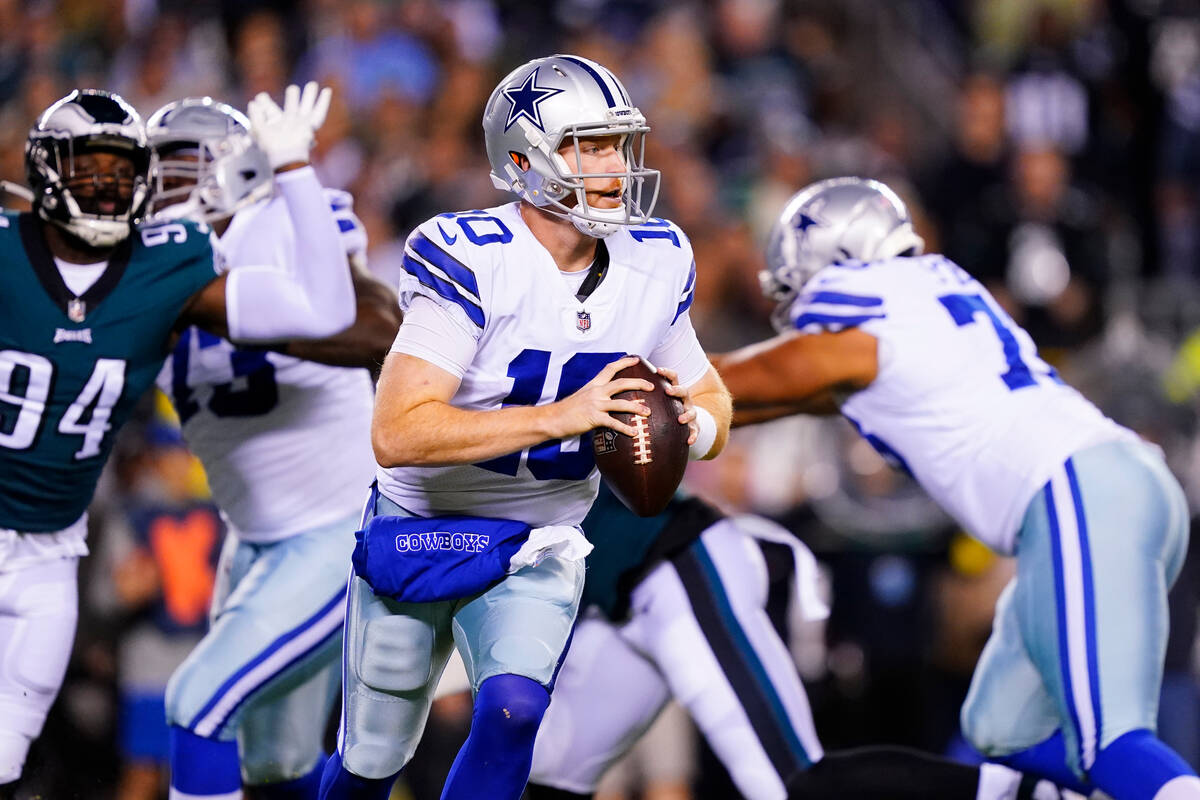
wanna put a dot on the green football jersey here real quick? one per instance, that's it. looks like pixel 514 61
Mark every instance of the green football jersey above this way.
pixel 627 547
pixel 72 368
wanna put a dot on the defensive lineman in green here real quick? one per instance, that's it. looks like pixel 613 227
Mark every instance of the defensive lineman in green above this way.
pixel 89 303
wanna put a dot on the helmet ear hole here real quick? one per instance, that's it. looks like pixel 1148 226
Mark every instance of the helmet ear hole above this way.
pixel 520 159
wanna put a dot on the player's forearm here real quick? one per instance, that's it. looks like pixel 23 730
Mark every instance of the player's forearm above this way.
pixel 315 300
pixel 752 415
pixel 435 433
pixel 366 342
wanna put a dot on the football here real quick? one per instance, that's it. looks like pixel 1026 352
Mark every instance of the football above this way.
pixel 644 471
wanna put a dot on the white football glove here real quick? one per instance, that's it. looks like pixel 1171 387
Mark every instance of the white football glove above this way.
pixel 287 134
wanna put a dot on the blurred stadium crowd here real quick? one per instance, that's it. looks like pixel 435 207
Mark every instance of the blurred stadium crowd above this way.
pixel 1051 147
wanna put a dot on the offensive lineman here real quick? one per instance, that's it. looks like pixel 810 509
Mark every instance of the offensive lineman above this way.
pixel 516 320
pixel 286 443
pixel 89 302
pixel 933 373
pixel 679 602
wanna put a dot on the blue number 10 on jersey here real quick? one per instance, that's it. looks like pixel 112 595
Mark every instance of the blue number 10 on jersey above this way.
pixel 548 460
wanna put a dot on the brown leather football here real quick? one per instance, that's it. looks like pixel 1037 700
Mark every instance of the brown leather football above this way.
pixel 644 471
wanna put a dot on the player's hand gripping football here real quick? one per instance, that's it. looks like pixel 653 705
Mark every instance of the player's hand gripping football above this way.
pixel 287 134
pixel 589 407
pixel 688 417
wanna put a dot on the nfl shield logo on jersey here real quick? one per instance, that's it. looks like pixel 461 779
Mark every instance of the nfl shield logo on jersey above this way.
pixel 76 310
pixel 583 321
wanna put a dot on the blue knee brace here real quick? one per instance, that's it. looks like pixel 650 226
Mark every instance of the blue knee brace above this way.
pixel 339 784
pixel 203 767
pixel 1136 766
pixel 496 758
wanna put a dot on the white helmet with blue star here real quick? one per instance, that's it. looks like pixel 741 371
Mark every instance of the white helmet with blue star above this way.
pixel 839 219
pixel 548 102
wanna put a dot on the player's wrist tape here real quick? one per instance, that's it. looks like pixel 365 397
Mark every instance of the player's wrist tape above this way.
pixel 706 434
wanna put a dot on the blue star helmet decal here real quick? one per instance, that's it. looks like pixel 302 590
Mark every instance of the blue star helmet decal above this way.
pixel 525 100
pixel 804 222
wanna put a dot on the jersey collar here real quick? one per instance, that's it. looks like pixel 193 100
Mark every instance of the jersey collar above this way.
pixel 75 307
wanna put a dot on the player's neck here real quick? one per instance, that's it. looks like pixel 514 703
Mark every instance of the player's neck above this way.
pixel 219 226
pixel 571 250
pixel 67 248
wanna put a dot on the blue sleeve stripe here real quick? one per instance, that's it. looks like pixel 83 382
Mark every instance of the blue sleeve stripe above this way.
pixel 843 299
pixel 812 318
pixel 455 270
pixel 691 279
pixel 444 288
pixel 345 225
pixel 684 305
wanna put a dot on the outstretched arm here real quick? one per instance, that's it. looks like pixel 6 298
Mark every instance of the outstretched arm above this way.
pixel 264 303
pixel 797 373
pixel 258 303
pixel 366 342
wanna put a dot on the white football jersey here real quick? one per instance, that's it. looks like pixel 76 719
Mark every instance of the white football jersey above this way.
pixel 961 400
pixel 286 443
pixel 536 343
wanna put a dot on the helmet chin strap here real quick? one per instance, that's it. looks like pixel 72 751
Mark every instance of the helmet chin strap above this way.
pixel 599 228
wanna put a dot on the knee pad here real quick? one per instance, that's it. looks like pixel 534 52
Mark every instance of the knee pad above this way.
pixel 397 654
pixel 281 766
pixel 511 704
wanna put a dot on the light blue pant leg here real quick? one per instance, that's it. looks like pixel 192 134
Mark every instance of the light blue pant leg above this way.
pixel 1086 614
pixel 277 622
pixel 395 652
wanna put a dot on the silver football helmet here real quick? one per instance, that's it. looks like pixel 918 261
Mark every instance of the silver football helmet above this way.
pixel 559 100
pixel 97 209
pixel 840 219
pixel 209 166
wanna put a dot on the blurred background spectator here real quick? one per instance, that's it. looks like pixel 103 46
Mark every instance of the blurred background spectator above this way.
pixel 1051 147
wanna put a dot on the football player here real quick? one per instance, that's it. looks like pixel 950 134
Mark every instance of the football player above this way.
pixel 677 608
pixel 933 373
pixel 286 445
pixel 517 318
pixel 89 303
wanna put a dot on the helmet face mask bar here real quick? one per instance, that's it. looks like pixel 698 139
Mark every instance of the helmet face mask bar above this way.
pixel 560 101
pixel 70 188
pixel 209 166
pixel 840 219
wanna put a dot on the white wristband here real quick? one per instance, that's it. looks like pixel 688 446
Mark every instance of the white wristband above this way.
pixel 706 434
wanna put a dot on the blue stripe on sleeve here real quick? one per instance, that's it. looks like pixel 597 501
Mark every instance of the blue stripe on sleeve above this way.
pixel 345 225
pixel 841 298
pixel 443 288
pixel 684 305
pixel 811 318
pixel 457 271
pixel 691 279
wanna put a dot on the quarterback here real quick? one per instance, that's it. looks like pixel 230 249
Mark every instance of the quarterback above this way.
pixel 89 303
pixel 933 373
pixel 286 444
pixel 516 320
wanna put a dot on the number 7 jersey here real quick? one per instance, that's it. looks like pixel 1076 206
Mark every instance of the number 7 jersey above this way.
pixel 961 399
